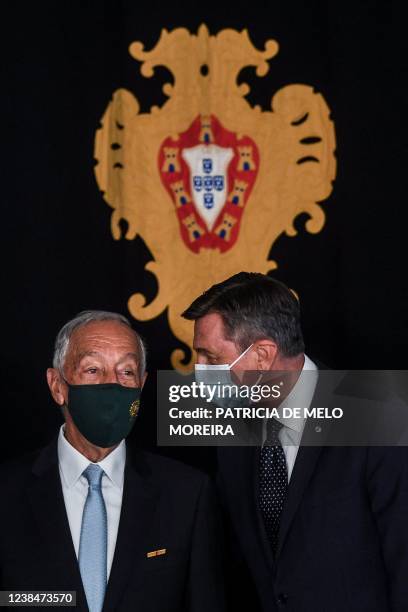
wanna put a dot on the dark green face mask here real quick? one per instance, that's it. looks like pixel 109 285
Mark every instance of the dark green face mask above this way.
pixel 104 414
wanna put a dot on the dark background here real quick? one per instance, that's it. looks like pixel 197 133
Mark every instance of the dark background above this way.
pixel 64 61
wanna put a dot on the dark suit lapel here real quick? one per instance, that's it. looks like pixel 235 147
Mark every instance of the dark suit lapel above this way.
pixel 240 467
pixel 305 464
pixel 314 434
pixel 137 519
pixel 47 503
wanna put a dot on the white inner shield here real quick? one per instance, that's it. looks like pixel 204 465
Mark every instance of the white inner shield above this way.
pixel 208 179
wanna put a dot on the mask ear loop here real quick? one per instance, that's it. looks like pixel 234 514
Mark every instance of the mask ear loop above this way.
pixel 258 380
pixel 240 356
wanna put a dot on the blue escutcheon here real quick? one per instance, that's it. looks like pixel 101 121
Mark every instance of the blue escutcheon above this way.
pixel 197 183
pixel 207 165
pixel 208 183
pixel 218 183
pixel 208 200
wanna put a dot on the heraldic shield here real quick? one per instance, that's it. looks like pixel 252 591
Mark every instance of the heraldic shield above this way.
pixel 206 180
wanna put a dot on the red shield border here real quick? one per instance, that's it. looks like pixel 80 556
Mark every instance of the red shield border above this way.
pixel 241 176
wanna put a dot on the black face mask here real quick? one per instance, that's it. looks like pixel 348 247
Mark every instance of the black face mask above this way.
pixel 104 414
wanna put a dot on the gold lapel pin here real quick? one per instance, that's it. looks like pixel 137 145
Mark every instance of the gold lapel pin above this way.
pixel 156 553
pixel 134 408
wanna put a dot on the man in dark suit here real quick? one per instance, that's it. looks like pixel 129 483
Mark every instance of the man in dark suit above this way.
pixel 312 527
pixel 126 531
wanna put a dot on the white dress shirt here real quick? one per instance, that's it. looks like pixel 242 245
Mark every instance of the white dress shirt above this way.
pixel 75 489
pixel 300 396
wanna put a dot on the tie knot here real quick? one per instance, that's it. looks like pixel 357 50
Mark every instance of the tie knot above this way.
pixel 93 474
pixel 273 428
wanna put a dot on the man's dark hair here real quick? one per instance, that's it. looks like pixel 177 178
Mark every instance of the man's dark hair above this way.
pixel 253 306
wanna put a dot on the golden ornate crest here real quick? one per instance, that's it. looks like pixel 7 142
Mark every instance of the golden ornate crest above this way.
pixel 134 408
pixel 206 180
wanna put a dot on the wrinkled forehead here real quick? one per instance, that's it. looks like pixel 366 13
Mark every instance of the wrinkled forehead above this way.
pixel 103 337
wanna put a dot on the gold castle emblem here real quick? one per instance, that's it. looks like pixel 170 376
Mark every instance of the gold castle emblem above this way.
pixel 208 181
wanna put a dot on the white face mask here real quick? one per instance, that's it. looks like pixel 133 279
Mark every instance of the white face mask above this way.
pixel 220 376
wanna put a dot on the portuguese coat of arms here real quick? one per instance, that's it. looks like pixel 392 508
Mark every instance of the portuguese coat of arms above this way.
pixel 208 181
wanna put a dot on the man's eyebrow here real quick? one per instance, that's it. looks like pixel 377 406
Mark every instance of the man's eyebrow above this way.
pixel 84 354
pixel 88 354
pixel 134 356
pixel 200 349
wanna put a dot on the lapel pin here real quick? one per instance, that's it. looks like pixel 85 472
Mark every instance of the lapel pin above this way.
pixel 156 553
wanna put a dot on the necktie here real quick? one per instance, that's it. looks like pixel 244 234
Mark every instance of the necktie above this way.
pixel 273 481
pixel 93 541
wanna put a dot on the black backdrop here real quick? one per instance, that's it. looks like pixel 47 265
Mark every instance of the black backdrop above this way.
pixel 63 62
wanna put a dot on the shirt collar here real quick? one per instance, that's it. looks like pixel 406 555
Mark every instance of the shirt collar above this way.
pixel 73 463
pixel 300 395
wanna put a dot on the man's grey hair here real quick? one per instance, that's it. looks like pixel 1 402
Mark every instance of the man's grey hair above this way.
pixel 83 318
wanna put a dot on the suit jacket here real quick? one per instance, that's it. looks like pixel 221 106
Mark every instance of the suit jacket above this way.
pixel 165 505
pixel 343 539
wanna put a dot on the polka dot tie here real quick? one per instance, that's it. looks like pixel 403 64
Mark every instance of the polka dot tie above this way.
pixel 273 481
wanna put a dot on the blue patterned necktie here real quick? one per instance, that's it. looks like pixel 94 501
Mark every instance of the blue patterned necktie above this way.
pixel 273 481
pixel 93 541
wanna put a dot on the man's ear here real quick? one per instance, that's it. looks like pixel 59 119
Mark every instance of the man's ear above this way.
pixel 56 385
pixel 266 352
